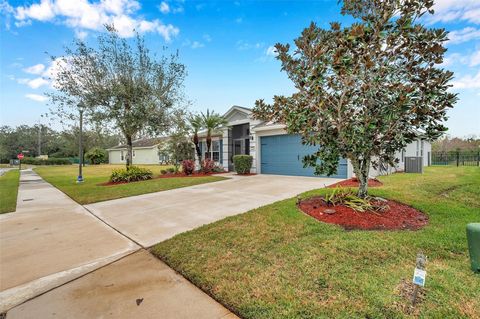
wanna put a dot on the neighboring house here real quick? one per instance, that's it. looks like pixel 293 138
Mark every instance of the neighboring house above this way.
pixel 276 152
pixel 145 151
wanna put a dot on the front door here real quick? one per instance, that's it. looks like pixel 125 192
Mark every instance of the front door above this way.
pixel 238 147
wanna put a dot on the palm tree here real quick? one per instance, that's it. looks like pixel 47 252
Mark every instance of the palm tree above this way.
pixel 196 122
pixel 212 121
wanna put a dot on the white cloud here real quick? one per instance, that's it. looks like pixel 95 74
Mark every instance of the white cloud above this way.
pixel 271 51
pixel 164 7
pixel 193 44
pixel 34 83
pixel 84 15
pixel 467 82
pixel 207 37
pixel 42 11
pixel 464 35
pixel 81 34
pixel 244 45
pixel 196 45
pixel 475 58
pixel 455 10
pixel 35 69
pixel 36 97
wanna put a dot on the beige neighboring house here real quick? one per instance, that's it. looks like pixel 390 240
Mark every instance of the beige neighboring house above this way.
pixel 145 151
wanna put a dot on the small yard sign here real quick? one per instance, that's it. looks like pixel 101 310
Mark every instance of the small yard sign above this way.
pixel 419 277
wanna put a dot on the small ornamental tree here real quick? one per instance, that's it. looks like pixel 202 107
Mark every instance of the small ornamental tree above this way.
pixel 364 91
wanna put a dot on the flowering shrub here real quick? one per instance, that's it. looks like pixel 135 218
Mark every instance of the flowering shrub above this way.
pixel 188 166
pixel 208 166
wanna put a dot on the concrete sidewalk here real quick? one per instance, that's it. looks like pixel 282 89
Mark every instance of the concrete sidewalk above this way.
pixel 137 286
pixel 50 240
pixel 59 261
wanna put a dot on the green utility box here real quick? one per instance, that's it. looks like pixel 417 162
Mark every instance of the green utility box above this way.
pixel 473 237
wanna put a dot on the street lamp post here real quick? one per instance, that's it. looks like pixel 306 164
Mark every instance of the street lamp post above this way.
pixel 80 148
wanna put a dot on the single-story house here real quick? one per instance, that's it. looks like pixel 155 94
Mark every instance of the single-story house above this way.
pixel 276 152
pixel 145 151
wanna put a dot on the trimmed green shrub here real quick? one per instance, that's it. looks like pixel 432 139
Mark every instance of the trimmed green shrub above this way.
pixel 242 163
pixel 133 174
pixel 163 171
pixel 48 161
pixel 171 170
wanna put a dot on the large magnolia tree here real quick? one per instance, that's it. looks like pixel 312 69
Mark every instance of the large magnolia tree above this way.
pixel 122 83
pixel 366 90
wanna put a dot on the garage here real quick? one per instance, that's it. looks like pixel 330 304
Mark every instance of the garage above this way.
pixel 283 154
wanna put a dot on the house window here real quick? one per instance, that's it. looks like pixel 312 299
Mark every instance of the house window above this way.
pixel 418 147
pixel 421 149
pixel 214 150
pixel 121 156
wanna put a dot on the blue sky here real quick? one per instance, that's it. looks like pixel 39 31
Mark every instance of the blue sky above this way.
pixel 226 46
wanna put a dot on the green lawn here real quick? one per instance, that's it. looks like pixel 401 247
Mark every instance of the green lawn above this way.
pixel 9 191
pixel 276 262
pixel 64 178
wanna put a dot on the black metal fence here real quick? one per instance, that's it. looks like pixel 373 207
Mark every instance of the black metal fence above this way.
pixel 456 158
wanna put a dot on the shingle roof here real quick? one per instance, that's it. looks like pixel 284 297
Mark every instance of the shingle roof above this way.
pixel 144 142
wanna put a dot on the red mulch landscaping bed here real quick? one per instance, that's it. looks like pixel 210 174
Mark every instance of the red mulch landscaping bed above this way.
pixel 397 217
pixel 168 175
pixel 353 182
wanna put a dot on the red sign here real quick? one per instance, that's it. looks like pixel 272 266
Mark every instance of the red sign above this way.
pixel 20 156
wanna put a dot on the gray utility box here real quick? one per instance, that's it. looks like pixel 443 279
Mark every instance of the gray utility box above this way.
pixel 413 164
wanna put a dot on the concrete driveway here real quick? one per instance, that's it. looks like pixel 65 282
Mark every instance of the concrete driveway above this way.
pixel 59 259
pixel 151 218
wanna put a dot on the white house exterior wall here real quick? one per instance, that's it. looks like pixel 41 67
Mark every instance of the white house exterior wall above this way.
pixel 142 156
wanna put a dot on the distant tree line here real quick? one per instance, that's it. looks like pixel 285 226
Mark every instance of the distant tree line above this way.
pixel 38 140
pixel 451 144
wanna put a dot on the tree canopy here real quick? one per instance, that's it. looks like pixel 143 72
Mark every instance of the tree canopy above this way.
pixel 366 90
pixel 122 83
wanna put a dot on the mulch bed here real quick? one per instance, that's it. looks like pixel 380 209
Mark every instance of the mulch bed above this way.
pixel 353 182
pixel 168 175
pixel 397 217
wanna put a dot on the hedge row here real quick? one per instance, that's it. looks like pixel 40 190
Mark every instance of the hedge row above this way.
pixel 49 161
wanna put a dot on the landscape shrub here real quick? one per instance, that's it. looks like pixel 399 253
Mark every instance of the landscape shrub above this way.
pixel 97 155
pixel 188 166
pixel 163 171
pixel 134 173
pixel 346 197
pixel 48 161
pixel 242 163
pixel 208 166
pixel 171 170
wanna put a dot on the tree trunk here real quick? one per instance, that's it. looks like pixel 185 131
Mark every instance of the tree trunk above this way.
pixel 209 143
pixel 129 156
pixel 361 169
pixel 197 149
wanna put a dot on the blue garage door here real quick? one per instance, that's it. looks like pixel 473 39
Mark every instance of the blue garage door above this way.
pixel 283 154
